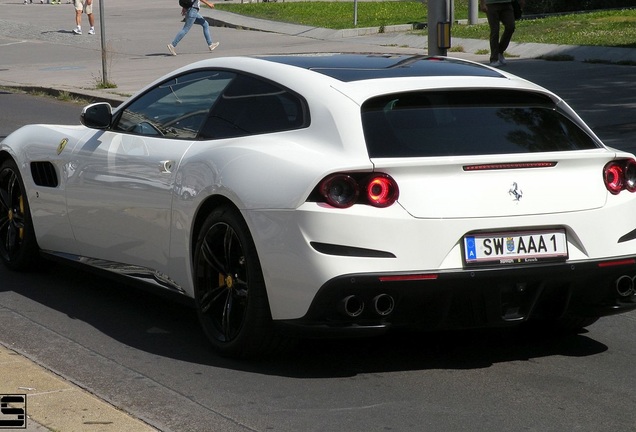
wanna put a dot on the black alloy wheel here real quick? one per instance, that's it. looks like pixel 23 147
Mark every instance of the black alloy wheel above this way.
pixel 18 247
pixel 230 294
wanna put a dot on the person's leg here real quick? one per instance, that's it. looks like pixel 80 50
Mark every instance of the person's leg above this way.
pixel 88 8
pixel 91 21
pixel 190 16
pixel 493 22
pixel 206 28
pixel 79 7
pixel 507 17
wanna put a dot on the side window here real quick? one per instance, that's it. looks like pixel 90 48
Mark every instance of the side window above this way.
pixel 250 106
pixel 176 108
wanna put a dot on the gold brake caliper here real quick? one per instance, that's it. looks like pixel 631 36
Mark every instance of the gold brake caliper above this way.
pixel 21 230
pixel 228 281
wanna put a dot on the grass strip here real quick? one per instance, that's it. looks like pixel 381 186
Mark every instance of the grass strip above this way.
pixel 615 28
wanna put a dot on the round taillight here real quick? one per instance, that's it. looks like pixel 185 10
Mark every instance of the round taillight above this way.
pixel 614 177
pixel 340 190
pixel 629 175
pixel 382 191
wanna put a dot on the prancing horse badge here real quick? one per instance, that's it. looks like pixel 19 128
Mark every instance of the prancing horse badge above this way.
pixel 515 191
pixel 61 145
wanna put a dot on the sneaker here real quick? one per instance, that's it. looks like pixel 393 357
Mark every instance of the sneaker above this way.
pixel 495 64
pixel 213 46
pixel 172 50
pixel 91 31
pixel 502 59
pixel 77 30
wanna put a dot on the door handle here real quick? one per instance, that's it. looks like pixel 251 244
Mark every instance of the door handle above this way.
pixel 166 166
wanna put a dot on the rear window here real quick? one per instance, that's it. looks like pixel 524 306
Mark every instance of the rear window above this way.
pixel 468 122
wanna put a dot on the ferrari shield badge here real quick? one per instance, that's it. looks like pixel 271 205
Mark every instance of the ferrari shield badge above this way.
pixel 61 145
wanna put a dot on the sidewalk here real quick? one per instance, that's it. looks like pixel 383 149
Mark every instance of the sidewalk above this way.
pixel 136 39
pixel 39 50
pixel 57 403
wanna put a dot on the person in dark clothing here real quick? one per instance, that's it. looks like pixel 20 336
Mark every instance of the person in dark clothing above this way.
pixel 499 11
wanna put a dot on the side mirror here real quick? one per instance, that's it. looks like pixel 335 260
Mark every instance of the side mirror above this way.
pixel 97 116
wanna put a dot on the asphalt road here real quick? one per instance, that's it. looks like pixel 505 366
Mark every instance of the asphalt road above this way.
pixel 147 355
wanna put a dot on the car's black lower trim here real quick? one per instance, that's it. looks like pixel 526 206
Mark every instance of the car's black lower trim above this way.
pixel 470 298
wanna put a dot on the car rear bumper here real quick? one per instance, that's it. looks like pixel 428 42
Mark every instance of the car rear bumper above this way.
pixel 369 304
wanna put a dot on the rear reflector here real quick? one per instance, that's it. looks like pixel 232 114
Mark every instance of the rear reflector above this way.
pixel 628 261
pixel 402 278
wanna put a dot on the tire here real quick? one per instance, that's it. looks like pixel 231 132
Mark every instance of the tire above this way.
pixel 230 295
pixel 18 246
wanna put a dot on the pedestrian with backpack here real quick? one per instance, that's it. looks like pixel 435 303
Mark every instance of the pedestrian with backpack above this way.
pixel 190 10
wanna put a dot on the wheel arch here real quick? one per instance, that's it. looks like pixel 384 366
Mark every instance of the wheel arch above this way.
pixel 207 206
pixel 256 335
pixel 21 251
pixel 5 155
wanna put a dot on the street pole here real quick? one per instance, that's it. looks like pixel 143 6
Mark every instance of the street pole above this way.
pixel 102 32
pixel 438 27
pixel 473 11
pixel 355 13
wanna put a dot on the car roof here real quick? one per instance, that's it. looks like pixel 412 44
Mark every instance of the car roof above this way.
pixel 355 67
pixel 361 76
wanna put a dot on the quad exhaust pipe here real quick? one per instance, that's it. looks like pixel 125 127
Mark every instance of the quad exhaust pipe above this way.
pixel 383 304
pixel 625 285
pixel 353 306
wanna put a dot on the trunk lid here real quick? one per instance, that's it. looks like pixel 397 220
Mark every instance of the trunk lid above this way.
pixel 499 186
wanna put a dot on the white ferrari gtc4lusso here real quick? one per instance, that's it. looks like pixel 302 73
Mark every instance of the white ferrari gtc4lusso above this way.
pixel 334 194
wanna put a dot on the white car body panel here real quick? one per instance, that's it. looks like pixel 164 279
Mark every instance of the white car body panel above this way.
pixel 125 181
pixel 433 245
pixel 444 190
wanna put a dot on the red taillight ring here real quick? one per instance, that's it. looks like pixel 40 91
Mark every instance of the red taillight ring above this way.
pixel 620 175
pixel 613 176
pixel 342 190
pixel 382 191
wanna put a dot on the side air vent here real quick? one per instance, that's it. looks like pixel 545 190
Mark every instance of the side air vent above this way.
pixel 44 174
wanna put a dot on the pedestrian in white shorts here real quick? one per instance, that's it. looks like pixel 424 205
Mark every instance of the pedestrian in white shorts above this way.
pixel 84 6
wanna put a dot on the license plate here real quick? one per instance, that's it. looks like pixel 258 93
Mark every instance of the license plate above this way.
pixel 524 247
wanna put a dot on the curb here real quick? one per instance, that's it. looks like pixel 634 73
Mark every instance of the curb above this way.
pixel 55 404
